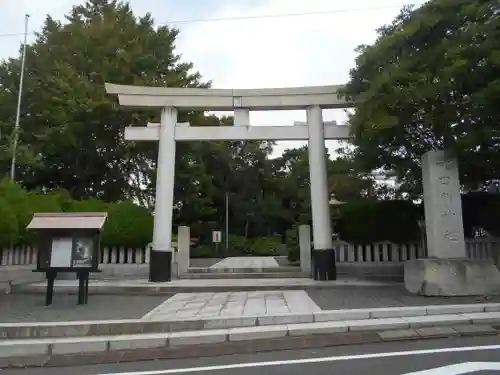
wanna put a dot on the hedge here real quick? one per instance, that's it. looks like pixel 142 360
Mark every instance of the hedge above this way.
pixel 128 224
pixel 366 221
pixel 481 209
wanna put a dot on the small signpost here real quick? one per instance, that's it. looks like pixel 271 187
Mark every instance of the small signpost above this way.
pixel 217 239
pixel 68 242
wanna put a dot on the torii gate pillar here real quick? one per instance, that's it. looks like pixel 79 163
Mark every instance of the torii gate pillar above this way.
pixel 160 263
pixel 323 255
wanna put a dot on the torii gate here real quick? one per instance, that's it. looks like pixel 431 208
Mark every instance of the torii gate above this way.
pixel 168 131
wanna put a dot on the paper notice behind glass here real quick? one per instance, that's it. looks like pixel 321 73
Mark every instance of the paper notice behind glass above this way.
pixel 82 252
pixel 61 252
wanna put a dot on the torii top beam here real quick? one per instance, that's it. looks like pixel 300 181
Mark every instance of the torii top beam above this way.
pixel 229 99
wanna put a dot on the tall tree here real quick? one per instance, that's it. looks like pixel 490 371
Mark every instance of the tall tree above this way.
pixel 73 130
pixel 431 81
pixel 344 181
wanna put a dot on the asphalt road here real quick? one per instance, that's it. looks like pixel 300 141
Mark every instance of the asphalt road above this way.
pixel 478 355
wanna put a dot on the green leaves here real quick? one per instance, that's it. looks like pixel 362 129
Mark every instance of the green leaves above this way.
pixel 72 139
pixel 429 81
pixel 73 128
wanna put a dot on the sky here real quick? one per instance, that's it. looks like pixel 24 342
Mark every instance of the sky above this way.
pixel 267 49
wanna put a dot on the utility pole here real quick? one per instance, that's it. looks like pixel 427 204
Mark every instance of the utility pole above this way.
pixel 19 97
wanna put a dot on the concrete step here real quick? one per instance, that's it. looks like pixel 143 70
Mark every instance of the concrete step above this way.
pixel 133 347
pixel 243 275
pixel 414 316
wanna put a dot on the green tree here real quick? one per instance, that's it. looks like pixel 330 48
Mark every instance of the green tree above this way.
pixel 68 121
pixel 88 205
pixel 345 183
pixel 431 81
pixel 239 169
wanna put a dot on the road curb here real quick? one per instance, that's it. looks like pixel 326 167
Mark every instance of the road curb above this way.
pixel 204 349
pixel 416 315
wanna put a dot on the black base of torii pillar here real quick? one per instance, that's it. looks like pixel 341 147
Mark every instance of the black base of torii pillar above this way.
pixel 160 266
pixel 323 265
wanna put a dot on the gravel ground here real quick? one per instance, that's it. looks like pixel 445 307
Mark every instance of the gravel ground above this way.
pixel 31 307
pixel 354 297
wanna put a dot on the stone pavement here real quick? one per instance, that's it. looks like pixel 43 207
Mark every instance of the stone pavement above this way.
pixel 247 262
pixel 233 304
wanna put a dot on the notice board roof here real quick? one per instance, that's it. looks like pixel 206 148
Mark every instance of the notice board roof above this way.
pixel 68 220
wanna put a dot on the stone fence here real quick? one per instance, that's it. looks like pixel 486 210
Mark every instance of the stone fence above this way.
pixel 480 249
pixel 385 260
pixel 26 255
pixel 382 252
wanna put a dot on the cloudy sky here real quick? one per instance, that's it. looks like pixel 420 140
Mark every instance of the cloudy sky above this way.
pixel 248 43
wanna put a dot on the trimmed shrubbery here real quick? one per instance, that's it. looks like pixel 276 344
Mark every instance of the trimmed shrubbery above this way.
pixel 363 222
pixel 128 224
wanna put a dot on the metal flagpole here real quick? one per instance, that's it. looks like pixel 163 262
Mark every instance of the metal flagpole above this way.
pixel 20 94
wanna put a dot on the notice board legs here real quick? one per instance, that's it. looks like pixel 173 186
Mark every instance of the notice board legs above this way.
pixel 49 292
pixel 83 284
pixel 87 289
pixel 83 288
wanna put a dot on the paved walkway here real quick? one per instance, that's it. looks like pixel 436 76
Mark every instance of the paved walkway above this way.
pixel 233 304
pixel 247 262
pixel 30 307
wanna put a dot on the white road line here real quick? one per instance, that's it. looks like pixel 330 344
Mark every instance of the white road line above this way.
pixel 459 368
pixel 309 360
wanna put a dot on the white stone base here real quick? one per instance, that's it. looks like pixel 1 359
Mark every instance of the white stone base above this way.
pixel 451 277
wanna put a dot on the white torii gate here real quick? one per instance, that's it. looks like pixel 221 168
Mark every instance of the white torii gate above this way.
pixel 169 131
